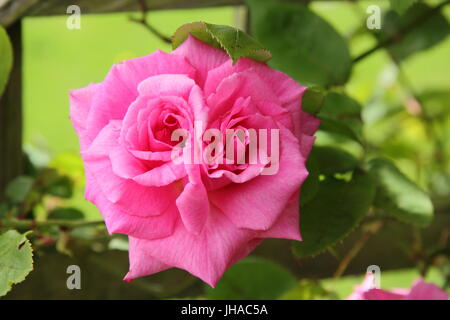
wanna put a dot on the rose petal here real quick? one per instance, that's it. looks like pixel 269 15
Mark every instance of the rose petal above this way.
pixel 118 221
pixel 258 203
pixel 206 255
pixel 201 56
pixel 80 104
pixel 119 89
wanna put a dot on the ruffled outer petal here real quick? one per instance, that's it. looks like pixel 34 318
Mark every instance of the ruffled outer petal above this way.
pixel 127 195
pixel 206 255
pixel 118 221
pixel 119 89
pixel 80 104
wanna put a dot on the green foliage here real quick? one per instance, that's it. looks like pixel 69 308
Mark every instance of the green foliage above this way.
pixel 436 104
pixel 331 160
pixel 53 183
pixel 311 185
pixel 341 115
pixel 6 59
pixel 398 195
pixel 335 211
pixel 252 278
pixel 303 44
pixel 313 99
pixel 19 188
pixel 308 290
pixel 65 214
pixel 237 44
pixel 415 31
pixel 401 6
pixel 16 259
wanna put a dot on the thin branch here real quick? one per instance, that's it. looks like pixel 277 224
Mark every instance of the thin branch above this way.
pixel 143 21
pixel 33 224
pixel 371 229
pixel 403 31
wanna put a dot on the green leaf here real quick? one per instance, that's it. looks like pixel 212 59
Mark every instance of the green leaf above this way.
pixel 303 44
pixel 16 259
pixel 334 212
pixel 400 6
pixel 436 104
pixel 236 43
pixel 341 115
pixel 65 214
pixel 332 160
pixel 252 278
pixel 308 290
pixel 313 99
pixel 415 31
pixel 51 182
pixel 19 188
pixel 311 185
pixel 6 59
pixel 398 195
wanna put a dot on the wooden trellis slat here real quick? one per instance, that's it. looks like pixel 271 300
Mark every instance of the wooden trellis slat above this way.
pixel 11 156
pixel 12 10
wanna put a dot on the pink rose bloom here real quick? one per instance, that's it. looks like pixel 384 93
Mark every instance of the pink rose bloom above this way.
pixel 419 291
pixel 198 217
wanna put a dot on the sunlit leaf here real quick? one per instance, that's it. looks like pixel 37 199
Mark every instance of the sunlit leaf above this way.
pixel 16 259
pixel 398 195
pixel 236 43
pixel 313 99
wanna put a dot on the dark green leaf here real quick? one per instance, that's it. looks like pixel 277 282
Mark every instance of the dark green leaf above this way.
pixel 332 160
pixel 65 214
pixel 252 278
pixel 236 43
pixel 303 44
pixel 342 115
pixel 311 184
pixel 16 259
pixel 334 212
pixel 398 195
pixel 415 31
pixel 6 59
pixel 19 188
pixel 401 6
pixel 51 182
